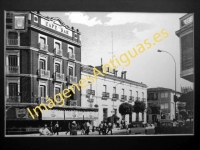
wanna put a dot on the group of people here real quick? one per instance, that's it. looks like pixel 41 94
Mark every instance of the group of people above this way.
pixel 51 130
pixel 105 128
pixel 73 127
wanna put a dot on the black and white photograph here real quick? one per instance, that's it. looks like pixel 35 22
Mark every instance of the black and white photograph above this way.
pixel 98 74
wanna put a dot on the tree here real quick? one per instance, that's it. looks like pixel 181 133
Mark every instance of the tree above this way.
pixel 184 115
pixel 125 108
pixel 155 109
pixel 139 106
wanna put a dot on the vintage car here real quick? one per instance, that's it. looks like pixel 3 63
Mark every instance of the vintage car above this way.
pixel 141 128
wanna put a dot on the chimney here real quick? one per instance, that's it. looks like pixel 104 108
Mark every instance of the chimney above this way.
pixel 124 74
pixel 116 72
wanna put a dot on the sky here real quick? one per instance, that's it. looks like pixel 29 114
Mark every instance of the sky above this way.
pixel 104 32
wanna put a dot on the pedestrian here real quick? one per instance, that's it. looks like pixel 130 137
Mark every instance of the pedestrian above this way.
pixel 122 124
pixel 101 128
pixel 104 128
pixel 44 131
pixel 158 127
pixel 83 128
pixel 69 128
pixel 87 128
pixel 74 128
pixel 57 127
pixel 109 128
pixel 51 127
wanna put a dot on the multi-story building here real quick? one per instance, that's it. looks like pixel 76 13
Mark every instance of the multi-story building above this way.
pixel 164 98
pixel 186 36
pixel 109 91
pixel 43 57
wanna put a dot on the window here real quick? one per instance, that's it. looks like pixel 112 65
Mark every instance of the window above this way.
pixel 12 60
pixel 130 92
pixel 12 35
pixel 57 45
pixel 42 91
pixel 166 105
pixel 166 95
pixel 105 87
pixel 123 91
pixel 42 64
pixel 13 38
pixel 114 90
pixel 43 42
pixel 71 70
pixel 137 93
pixel 162 95
pixel 105 113
pixel 35 19
pixel 142 94
pixel 90 85
pixel 57 67
pixel 115 110
pixel 70 50
pixel 13 89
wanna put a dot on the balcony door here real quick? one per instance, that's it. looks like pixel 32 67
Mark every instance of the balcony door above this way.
pixel 42 64
pixel 105 113
pixel 13 89
pixel 57 67
pixel 71 71
pixel 57 45
pixel 12 64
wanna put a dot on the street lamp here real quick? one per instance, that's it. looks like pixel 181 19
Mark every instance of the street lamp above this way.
pixel 175 98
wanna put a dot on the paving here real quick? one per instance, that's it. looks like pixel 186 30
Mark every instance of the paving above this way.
pixel 63 134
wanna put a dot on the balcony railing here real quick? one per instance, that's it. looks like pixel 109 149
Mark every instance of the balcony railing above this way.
pixel 12 42
pixel 115 96
pixel 123 97
pixel 73 103
pixel 71 79
pixel 105 95
pixel 89 92
pixel 59 76
pixel 131 98
pixel 43 47
pixel 58 52
pixel 91 100
pixel 137 98
pixel 71 55
pixel 12 69
pixel 13 99
pixel 144 99
pixel 44 73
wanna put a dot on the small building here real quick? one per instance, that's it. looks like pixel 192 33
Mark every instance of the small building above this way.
pixel 109 91
pixel 163 97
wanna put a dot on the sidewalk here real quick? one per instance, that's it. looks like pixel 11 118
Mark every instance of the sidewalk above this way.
pixel 115 131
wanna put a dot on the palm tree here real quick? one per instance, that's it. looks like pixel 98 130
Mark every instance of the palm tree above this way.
pixel 138 107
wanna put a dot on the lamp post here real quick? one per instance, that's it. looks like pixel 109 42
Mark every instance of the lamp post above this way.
pixel 175 98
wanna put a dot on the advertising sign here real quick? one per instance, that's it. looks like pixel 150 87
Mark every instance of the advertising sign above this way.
pixel 56 27
pixel 20 22
pixel 21 113
pixel 52 115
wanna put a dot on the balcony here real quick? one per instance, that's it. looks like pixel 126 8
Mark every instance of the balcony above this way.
pixel 144 99
pixel 58 52
pixel 105 95
pixel 43 47
pixel 123 98
pixel 59 76
pixel 91 100
pixel 73 103
pixel 12 42
pixel 44 74
pixel 131 98
pixel 71 79
pixel 137 98
pixel 13 99
pixel 115 96
pixel 89 92
pixel 12 69
pixel 71 55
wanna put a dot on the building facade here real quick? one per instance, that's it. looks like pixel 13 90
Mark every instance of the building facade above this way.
pixel 164 98
pixel 109 91
pixel 42 58
pixel 186 36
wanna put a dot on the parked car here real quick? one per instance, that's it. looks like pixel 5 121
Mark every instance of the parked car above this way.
pixel 141 128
